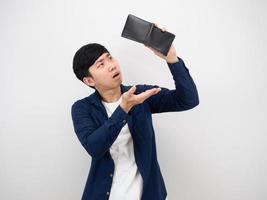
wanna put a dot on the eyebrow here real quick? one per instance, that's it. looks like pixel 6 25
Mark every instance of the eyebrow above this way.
pixel 102 58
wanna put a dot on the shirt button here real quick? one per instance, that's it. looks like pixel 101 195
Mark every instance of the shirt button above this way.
pixel 107 193
pixel 111 175
pixel 124 121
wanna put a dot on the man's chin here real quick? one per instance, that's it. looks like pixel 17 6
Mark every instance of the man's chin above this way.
pixel 115 82
pixel 118 80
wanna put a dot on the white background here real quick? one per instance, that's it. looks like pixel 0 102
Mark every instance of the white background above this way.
pixel 216 151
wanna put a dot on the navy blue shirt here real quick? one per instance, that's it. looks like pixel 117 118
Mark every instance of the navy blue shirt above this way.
pixel 97 132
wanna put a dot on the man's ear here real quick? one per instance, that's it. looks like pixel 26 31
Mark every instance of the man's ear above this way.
pixel 89 81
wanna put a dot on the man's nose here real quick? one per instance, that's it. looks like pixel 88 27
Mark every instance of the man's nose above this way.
pixel 111 67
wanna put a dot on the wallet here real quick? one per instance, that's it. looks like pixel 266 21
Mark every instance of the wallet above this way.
pixel 142 31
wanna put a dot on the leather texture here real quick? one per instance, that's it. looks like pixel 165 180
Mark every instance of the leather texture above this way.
pixel 145 32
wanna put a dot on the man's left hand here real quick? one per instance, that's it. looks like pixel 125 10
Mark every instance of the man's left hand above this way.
pixel 171 56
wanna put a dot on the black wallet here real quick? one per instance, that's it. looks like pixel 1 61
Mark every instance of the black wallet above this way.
pixel 147 33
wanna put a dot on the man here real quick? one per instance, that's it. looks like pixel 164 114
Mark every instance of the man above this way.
pixel 114 124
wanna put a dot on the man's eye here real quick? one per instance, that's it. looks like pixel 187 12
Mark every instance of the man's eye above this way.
pixel 110 57
pixel 99 65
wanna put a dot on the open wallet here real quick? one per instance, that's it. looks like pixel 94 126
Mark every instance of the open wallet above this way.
pixel 147 33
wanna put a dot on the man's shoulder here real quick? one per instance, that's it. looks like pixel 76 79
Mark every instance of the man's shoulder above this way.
pixel 83 102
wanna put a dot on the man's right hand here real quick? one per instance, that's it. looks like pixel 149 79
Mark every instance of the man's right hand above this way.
pixel 129 99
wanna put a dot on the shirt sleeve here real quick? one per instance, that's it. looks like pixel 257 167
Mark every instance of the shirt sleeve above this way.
pixel 94 138
pixel 183 97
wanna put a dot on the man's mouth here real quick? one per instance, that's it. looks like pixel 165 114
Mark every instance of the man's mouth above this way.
pixel 116 75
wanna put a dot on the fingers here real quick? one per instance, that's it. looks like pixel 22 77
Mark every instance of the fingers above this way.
pixel 151 92
pixel 146 94
pixel 163 29
pixel 132 89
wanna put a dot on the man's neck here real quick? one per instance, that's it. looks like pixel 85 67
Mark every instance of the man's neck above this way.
pixel 111 95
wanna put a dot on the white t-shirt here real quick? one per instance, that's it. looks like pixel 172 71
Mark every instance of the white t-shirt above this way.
pixel 127 180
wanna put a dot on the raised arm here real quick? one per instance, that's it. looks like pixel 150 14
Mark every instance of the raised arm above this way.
pixel 183 97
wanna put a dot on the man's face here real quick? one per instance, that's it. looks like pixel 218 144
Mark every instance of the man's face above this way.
pixel 104 72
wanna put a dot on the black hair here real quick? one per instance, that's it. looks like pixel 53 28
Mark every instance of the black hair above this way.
pixel 85 57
